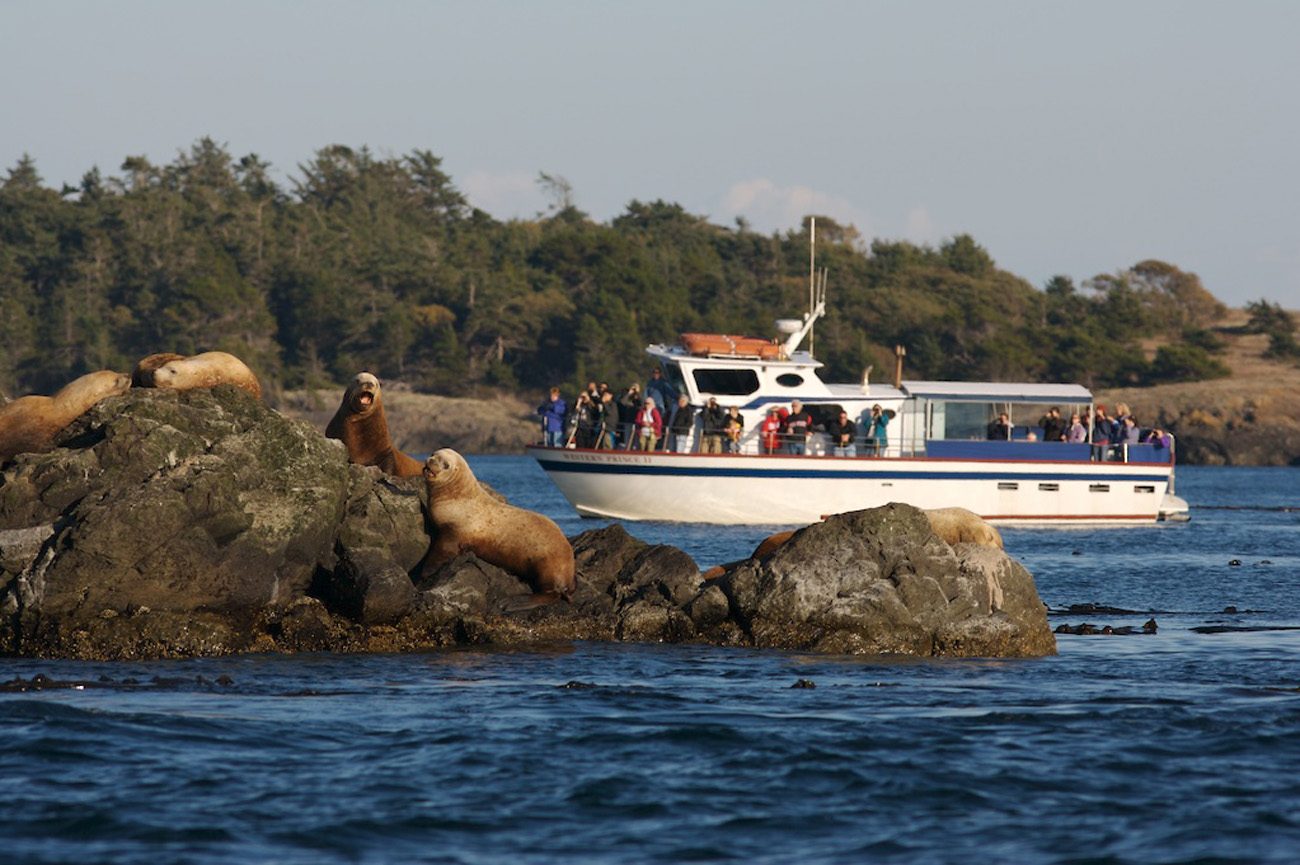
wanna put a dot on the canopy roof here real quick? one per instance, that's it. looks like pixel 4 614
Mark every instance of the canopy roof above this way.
pixel 998 391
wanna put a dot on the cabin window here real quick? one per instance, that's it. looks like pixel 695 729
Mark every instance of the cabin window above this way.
pixel 1050 488
pixel 789 379
pixel 673 373
pixel 726 382
pixel 1008 485
pixel 1144 489
pixel 1098 488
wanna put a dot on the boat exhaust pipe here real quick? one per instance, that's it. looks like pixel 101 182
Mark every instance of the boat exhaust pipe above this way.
pixel 899 353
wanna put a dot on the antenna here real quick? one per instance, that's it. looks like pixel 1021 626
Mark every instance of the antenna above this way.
pixel 816 299
pixel 812 281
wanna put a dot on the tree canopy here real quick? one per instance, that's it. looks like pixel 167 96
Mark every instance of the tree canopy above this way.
pixel 380 263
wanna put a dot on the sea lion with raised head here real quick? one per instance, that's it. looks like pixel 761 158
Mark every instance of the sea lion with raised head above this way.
pixel 142 375
pixel 465 518
pixel 30 423
pixel 362 426
pixel 207 370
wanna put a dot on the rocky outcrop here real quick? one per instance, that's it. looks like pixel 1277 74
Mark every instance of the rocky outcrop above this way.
pixel 201 523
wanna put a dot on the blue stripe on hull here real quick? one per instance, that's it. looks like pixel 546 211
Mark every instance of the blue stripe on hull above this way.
pixel 687 471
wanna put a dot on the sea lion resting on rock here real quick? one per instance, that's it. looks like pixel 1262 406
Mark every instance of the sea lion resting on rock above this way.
pixel 952 525
pixel 362 426
pixel 960 526
pixel 30 423
pixel 205 370
pixel 521 542
pixel 142 375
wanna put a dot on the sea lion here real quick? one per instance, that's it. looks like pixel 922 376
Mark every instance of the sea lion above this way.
pixel 521 542
pixel 142 375
pixel 206 370
pixel 953 525
pixel 362 426
pixel 30 423
pixel 958 525
pixel 766 547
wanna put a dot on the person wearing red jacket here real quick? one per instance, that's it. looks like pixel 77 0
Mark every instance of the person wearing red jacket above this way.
pixel 770 430
pixel 649 426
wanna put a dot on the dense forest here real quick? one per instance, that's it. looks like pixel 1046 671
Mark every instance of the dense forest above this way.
pixel 381 264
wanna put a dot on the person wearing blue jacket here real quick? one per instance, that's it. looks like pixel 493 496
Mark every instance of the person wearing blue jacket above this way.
pixel 553 412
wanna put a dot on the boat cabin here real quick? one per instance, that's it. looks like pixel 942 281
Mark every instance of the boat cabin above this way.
pixel 936 419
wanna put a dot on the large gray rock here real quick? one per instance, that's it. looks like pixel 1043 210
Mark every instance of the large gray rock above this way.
pixel 197 523
pixel 879 581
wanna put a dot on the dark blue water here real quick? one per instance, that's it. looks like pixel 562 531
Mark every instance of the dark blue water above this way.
pixel 1178 747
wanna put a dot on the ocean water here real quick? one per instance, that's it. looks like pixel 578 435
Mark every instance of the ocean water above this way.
pixel 1178 747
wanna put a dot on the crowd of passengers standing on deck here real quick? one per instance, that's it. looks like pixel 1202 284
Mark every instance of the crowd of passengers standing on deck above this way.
pixel 1108 435
pixel 664 420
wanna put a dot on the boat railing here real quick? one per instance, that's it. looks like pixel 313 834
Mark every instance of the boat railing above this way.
pixel 753 442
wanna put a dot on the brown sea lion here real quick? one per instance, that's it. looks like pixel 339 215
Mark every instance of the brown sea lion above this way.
pixel 958 525
pixel 521 542
pixel 768 545
pixel 953 525
pixel 30 423
pixel 142 375
pixel 207 370
pixel 362 426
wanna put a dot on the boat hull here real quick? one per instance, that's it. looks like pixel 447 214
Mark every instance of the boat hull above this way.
pixel 777 490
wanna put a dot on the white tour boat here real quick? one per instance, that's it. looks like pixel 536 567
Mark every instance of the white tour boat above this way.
pixel 936 452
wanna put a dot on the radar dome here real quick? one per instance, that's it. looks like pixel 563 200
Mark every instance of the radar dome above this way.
pixel 788 326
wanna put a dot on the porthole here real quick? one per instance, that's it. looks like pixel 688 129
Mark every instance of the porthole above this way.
pixel 789 379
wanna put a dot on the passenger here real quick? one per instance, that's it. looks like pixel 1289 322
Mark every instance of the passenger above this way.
pixel 586 421
pixel 1102 428
pixel 878 438
pixel 843 432
pixel 628 404
pixel 715 426
pixel 608 421
pixel 1000 429
pixel 1158 438
pixel 1129 433
pixel 1077 432
pixel 1031 436
pixel 770 430
pixel 1052 425
pixel 798 429
pixel 649 425
pixel 593 393
pixel 735 429
pixel 680 426
pixel 553 411
pixel 664 394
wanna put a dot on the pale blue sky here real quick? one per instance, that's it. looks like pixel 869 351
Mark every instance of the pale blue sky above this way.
pixel 1071 138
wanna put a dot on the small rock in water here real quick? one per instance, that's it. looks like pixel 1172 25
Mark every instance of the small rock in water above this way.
pixel 1230 609
pixel 1265 562
pixel 1234 563
pixel 1076 552
pixel 804 683
pixel 1150 626
pixel 223 679
pixel 575 685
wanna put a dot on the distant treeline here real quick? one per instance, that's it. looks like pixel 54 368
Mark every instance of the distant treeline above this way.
pixel 380 264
